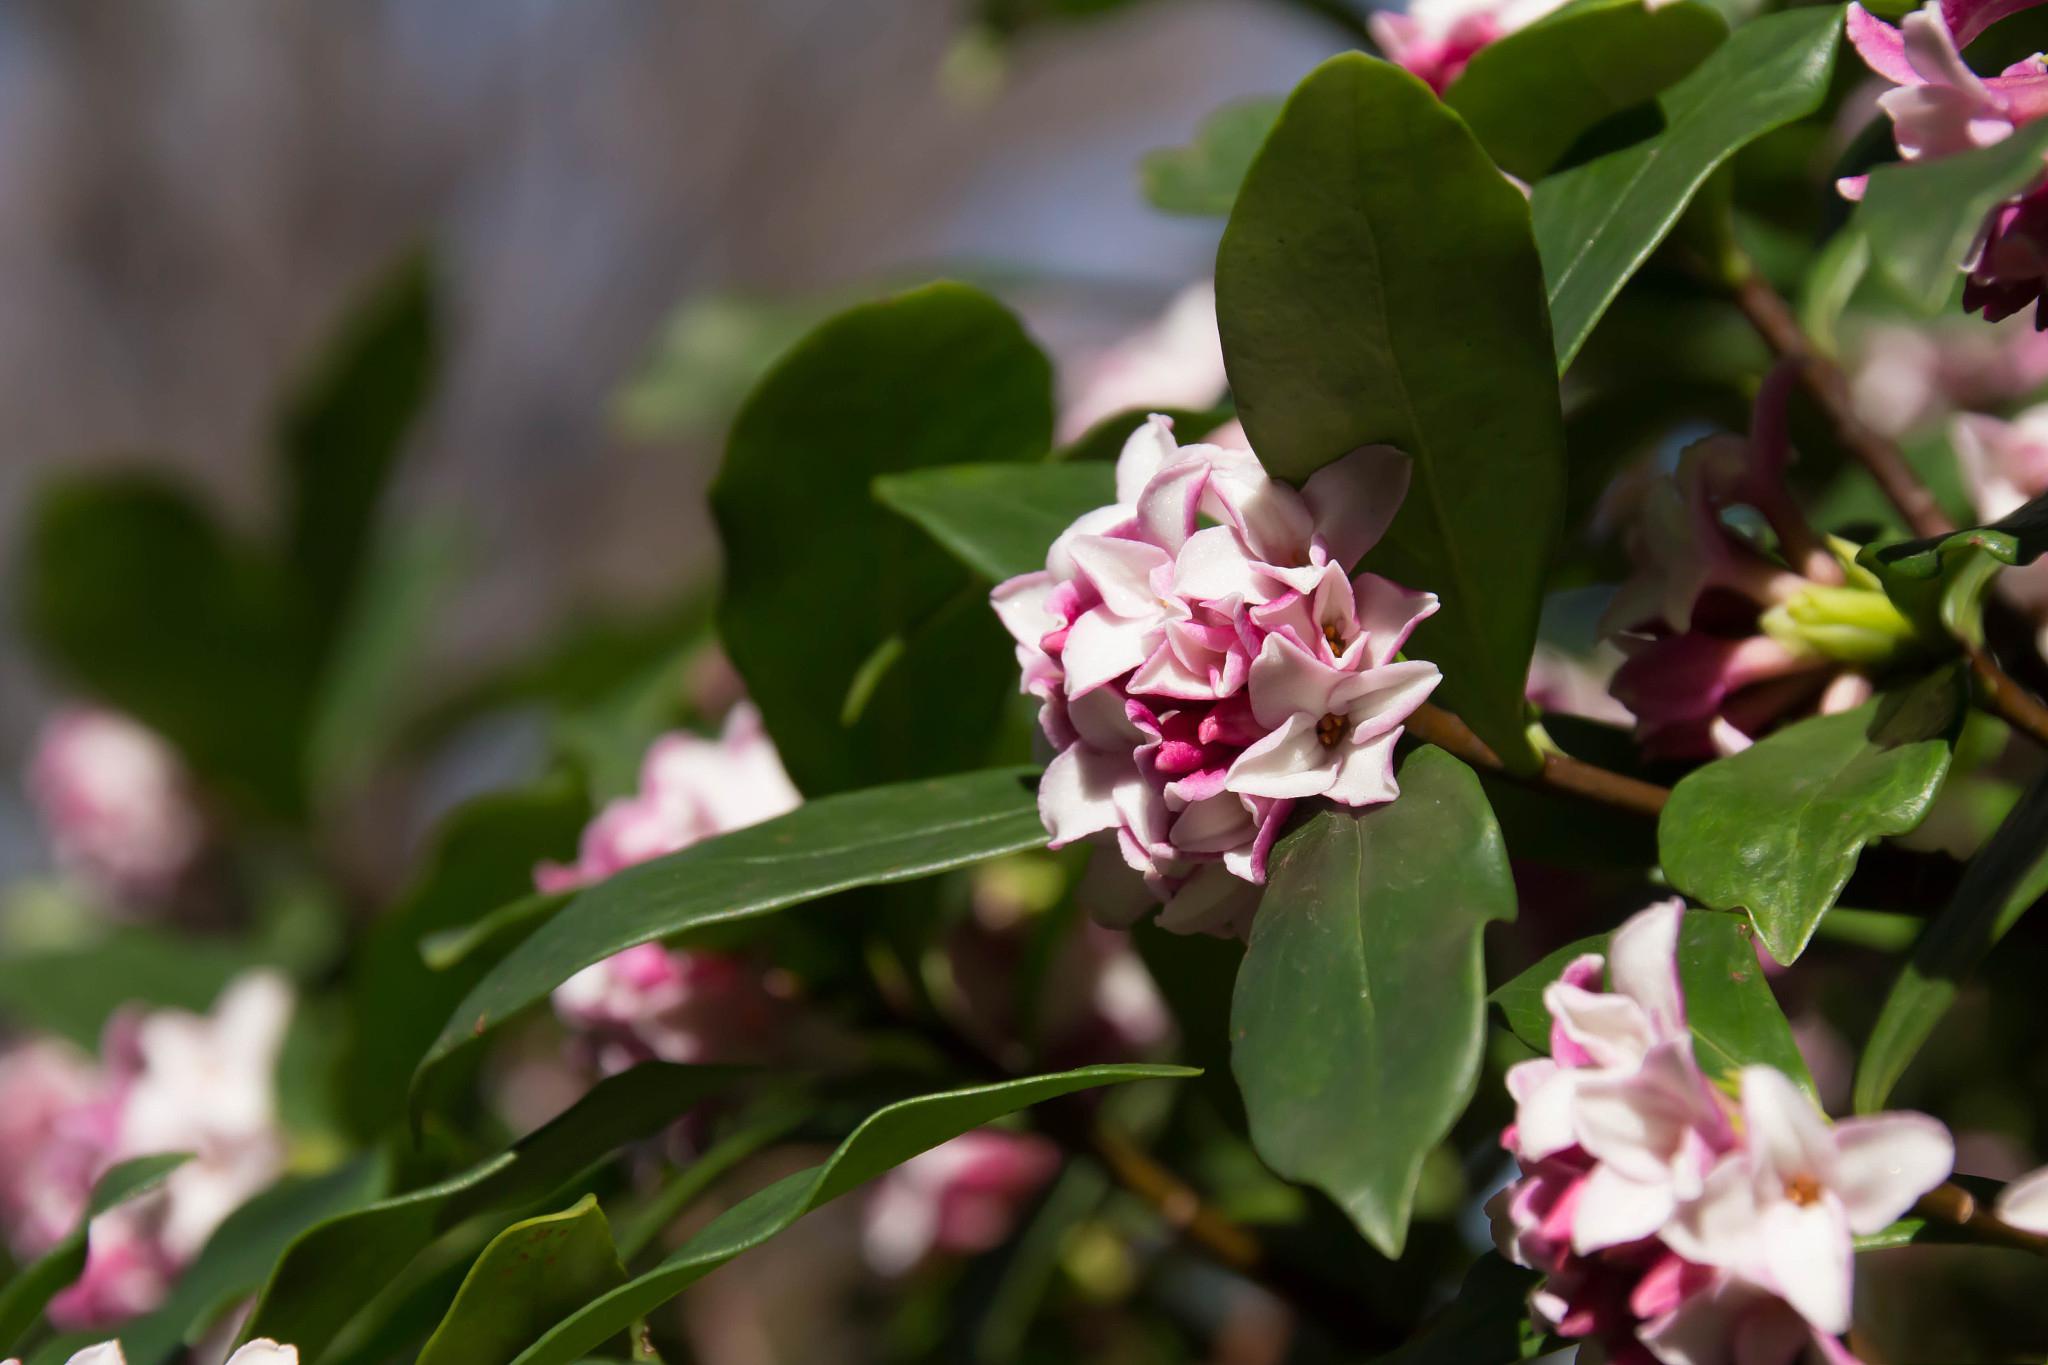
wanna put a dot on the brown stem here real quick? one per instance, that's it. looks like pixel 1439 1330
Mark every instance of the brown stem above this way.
pixel 2009 701
pixel 1958 1208
pixel 1560 772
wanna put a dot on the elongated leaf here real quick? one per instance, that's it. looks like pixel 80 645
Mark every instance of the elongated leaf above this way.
pixel 1735 1018
pixel 1775 829
pixel 342 432
pixel 1377 283
pixel 1201 179
pixel 531 1276
pixel 2019 537
pixel 2002 883
pixel 331 1268
pixel 23 1299
pixel 1597 223
pixel 888 1138
pixel 998 519
pixel 1923 217
pixel 890 834
pixel 1529 96
pixel 1359 1018
pixel 483 857
pixel 820 577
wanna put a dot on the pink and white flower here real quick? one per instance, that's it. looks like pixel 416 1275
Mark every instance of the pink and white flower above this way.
pixel 1942 107
pixel 1673 1222
pixel 960 1198
pixel 651 1002
pixel 2024 1203
pixel 118 806
pixel 1174 659
pixel 1434 39
pixel 262 1351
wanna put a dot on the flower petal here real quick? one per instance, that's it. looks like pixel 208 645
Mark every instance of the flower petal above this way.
pixel 1885 1162
pixel 1642 957
pixel 1353 500
pixel 1290 763
pixel 1614 1209
pixel 2024 1203
pixel 1806 1251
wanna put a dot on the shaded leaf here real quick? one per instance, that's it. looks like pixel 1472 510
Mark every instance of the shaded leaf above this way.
pixel 890 834
pixel 2018 537
pixel 1377 283
pixel 1105 440
pixel 2006 878
pixel 1529 96
pixel 1597 223
pixel 1358 1023
pixel 888 1138
pixel 998 519
pixel 928 377
pixel 1775 829
pixel 1923 217
pixel 1201 179
pixel 1486 1324
pixel 24 1297
pixel 531 1276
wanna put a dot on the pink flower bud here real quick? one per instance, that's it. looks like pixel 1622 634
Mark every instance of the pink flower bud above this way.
pixel 117 805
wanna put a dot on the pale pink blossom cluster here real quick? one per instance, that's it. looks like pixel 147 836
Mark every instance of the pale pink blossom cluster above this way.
pixel 1942 107
pixel 651 1002
pixel 1725 635
pixel 959 1198
pixel 1176 361
pixel 261 1351
pixel 168 1081
pixel 117 805
pixel 1674 1223
pixel 1434 39
pixel 1205 659
pixel 1903 377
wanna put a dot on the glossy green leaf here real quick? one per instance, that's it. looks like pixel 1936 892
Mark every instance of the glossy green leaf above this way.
pixel 1596 224
pixel 890 834
pixel 2018 537
pixel 1923 217
pixel 483 857
pixel 1201 179
pixel 324 1278
pixel 1529 96
pixel 2002 883
pixel 820 577
pixel 1377 283
pixel 342 431
pixel 888 1138
pixel 531 1276
pixel 1359 1019
pixel 24 1297
pixel 998 519
pixel 138 596
pixel 1775 829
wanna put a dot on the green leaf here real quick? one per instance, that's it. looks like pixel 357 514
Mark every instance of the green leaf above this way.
pixel 1201 179
pixel 483 857
pixel 2002 883
pixel 73 991
pixel 1105 440
pixel 890 834
pixel 23 1299
pixel 1377 283
pixel 888 1138
pixel 1487 1324
pixel 2019 537
pixel 820 577
pixel 138 595
pixel 1734 1016
pixel 1775 829
pixel 531 1276
pixel 998 519
pixel 341 433
pixel 1923 217
pixel 330 1269
pixel 1359 1019
pixel 1529 96
pixel 1596 224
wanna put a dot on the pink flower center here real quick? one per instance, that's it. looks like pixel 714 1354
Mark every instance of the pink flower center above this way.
pixel 1330 729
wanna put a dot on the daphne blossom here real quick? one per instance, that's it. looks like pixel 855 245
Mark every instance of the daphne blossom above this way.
pixel 1673 1222
pixel 169 1081
pixel 1941 107
pixel 1198 680
pixel 959 1198
pixel 1434 39
pixel 117 804
pixel 651 1002
pixel 261 1351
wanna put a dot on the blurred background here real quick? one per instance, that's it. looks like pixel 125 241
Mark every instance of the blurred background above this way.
pixel 629 203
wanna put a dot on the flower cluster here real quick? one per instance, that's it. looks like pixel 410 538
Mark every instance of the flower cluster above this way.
pixel 1672 1222
pixel 1198 680
pixel 1725 638
pixel 169 1081
pixel 261 1351
pixel 1434 39
pixel 650 1002
pixel 1942 107
pixel 117 805
pixel 957 1199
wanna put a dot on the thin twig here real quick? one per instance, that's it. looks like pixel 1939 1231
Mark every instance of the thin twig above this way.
pixel 1958 1208
pixel 1560 772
